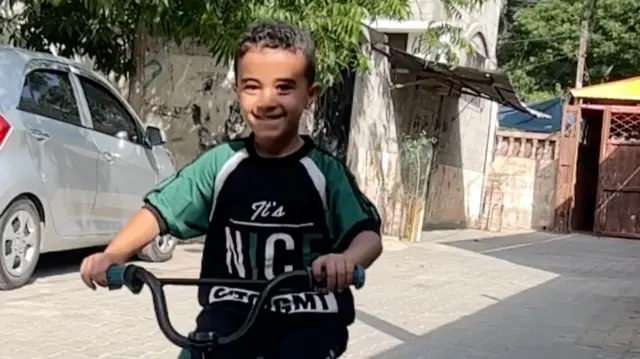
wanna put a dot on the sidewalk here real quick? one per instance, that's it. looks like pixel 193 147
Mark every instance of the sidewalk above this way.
pixel 528 295
pixel 462 296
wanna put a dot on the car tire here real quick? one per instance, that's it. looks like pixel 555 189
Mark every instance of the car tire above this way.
pixel 160 250
pixel 20 233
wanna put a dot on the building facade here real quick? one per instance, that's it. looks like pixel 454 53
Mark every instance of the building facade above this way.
pixel 464 125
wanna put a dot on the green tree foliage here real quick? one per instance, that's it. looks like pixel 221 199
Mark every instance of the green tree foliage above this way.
pixel 444 41
pixel 113 32
pixel 74 29
pixel 539 44
pixel 106 29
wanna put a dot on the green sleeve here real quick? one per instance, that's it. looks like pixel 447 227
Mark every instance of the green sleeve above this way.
pixel 350 211
pixel 182 203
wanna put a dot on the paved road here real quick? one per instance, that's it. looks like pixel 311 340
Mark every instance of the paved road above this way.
pixel 453 296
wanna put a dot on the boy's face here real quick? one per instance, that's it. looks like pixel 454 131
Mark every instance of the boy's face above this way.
pixel 273 91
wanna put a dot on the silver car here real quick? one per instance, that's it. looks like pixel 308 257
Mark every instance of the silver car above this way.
pixel 75 161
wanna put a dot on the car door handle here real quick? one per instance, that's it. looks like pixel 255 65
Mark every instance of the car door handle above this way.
pixel 110 157
pixel 39 135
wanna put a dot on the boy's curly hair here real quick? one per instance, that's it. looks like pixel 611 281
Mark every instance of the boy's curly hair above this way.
pixel 278 35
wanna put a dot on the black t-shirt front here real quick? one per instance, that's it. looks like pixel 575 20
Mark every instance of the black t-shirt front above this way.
pixel 265 216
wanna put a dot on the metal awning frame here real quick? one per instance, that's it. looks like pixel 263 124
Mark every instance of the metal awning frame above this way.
pixel 453 79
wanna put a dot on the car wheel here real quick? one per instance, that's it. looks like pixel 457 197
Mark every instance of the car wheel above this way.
pixel 160 250
pixel 20 236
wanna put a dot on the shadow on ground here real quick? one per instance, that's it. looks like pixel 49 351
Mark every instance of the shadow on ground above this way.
pixel 61 263
pixel 591 310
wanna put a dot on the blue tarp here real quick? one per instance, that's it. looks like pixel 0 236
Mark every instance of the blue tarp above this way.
pixel 517 120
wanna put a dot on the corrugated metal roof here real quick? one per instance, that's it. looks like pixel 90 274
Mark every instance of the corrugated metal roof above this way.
pixel 491 85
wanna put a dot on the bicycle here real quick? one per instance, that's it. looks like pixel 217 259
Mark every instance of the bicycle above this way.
pixel 135 278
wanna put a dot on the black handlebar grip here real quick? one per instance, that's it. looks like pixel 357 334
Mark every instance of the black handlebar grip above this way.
pixel 115 276
pixel 357 280
pixel 358 277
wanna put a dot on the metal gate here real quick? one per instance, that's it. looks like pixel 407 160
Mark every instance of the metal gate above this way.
pixel 618 205
pixel 565 185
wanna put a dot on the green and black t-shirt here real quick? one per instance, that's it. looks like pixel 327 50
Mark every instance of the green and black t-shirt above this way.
pixel 265 216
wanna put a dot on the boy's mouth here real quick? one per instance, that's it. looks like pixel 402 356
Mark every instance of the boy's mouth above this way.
pixel 269 117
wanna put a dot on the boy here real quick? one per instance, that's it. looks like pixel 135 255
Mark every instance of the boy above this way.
pixel 268 204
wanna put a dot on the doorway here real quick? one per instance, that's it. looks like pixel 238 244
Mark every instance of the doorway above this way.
pixel 587 171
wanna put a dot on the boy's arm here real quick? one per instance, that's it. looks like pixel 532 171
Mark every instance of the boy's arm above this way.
pixel 180 205
pixel 365 248
pixel 355 220
pixel 141 229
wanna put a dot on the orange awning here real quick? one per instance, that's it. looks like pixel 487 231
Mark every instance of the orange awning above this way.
pixel 627 89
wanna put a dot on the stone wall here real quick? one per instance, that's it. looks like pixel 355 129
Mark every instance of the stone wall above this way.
pixel 521 185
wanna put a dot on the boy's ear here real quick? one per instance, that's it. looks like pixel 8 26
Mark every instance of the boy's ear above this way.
pixel 314 93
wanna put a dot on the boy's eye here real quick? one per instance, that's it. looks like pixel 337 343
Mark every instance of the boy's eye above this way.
pixel 285 88
pixel 251 88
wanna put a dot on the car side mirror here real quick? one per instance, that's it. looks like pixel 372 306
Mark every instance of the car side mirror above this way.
pixel 154 136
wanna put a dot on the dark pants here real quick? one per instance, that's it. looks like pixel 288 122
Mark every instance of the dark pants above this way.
pixel 278 336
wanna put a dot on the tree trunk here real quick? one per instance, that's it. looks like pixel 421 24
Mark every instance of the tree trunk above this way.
pixel 136 80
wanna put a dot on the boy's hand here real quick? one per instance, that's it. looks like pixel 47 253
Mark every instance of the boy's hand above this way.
pixel 336 268
pixel 93 269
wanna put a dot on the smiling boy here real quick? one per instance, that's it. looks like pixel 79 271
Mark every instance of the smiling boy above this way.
pixel 268 204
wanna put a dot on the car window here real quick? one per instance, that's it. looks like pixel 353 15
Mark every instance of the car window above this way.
pixel 108 114
pixel 49 93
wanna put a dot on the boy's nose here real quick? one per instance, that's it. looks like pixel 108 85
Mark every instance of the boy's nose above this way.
pixel 267 98
pixel 266 109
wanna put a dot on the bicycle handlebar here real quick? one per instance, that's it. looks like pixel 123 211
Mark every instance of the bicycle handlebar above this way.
pixel 135 277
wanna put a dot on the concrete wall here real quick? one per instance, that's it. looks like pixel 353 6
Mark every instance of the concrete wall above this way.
pixel 454 198
pixel 372 152
pixel 186 94
pixel 521 186
pixel 380 115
